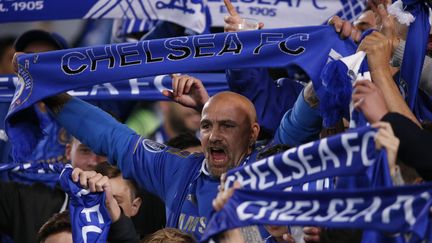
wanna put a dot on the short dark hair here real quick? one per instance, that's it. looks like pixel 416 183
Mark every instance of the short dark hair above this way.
pixel 32 36
pixel 59 222
pixel 112 171
pixel 184 141
pixel 6 42
pixel 272 150
pixel 169 235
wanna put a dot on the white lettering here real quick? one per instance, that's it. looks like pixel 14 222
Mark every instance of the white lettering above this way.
pixel 349 149
pixel 134 84
pixel 326 154
pixel 305 159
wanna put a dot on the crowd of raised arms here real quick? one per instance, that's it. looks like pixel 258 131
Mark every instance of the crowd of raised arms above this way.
pixel 334 144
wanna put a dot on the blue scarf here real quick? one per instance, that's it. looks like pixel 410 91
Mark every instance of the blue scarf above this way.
pixel 147 89
pixel 415 48
pixel 88 66
pixel 89 217
pixel 349 153
pixel 393 210
pixel 28 173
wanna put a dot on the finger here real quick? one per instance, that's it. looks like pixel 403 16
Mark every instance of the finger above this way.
pixel 101 183
pixel 385 126
pixel 236 185
pixel 168 93
pixel 173 75
pixel 358 104
pixel 288 238
pixel 378 143
pixel 346 29
pixel 181 84
pixel 378 125
pixel 337 22
pixel 75 174
pixel 231 9
pixel 356 97
pixel 310 230
pixel 84 176
pixel 190 83
pixel 15 61
pixel 364 88
pixel 108 193
pixel 175 86
pixel 382 12
pixel 217 203
pixel 222 181
pixel 230 28
pixel 92 182
pixel 260 25
pixel 355 35
pixel 363 82
pixel 232 20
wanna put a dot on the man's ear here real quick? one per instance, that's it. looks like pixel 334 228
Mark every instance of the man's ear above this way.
pixel 136 204
pixel 68 150
pixel 254 133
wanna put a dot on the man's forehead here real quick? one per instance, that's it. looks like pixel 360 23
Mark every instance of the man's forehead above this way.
pixel 223 113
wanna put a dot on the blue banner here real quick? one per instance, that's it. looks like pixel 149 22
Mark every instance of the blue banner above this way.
pixel 349 153
pixel 190 14
pixel 392 210
pixel 29 173
pixel 59 71
pixel 287 13
pixel 148 88
pixel 47 74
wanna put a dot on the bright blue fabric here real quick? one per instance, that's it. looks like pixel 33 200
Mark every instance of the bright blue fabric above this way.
pixel 270 98
pixel 89 216
pixel 299 125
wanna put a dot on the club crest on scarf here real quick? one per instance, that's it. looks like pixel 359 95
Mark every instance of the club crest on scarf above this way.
pixel 24 88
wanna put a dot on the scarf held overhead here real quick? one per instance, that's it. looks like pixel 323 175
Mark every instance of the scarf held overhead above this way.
pixel 148 88
pixel 48 74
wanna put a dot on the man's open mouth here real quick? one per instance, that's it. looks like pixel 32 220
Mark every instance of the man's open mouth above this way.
pixel 218 154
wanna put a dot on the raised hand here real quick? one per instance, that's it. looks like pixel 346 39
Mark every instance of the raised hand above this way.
pixel 233 20
pixel 224 195
pixel 386 139
pixel 188 91
pixel 368 99
pixel 344 28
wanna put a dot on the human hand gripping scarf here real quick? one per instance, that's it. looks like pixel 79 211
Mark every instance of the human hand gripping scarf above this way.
pixel 88 214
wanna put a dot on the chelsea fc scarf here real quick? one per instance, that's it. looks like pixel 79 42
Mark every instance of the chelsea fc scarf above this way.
pixel 89 217
pixel 47 74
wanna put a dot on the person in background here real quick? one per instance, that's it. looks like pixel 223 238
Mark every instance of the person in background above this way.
pixel 186 142
pixel 57 229
pixel 169 235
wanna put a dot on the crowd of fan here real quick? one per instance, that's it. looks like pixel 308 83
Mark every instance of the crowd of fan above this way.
pixel 229 136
